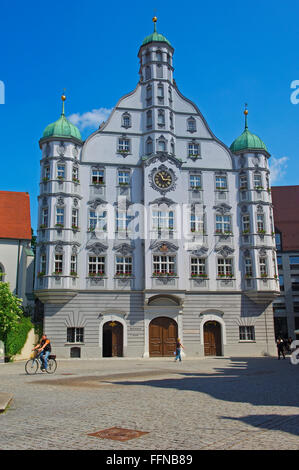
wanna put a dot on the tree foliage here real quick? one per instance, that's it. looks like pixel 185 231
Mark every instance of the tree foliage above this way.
pixel 10 311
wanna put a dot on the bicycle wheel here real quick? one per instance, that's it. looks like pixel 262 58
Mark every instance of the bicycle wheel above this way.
pixel 52 366
pixel 31 367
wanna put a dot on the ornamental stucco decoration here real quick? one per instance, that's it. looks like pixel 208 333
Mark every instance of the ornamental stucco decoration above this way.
pixel 124 248
pixel 224 250
pixel 60 201
pixel 59 248
pixel 96 202
pixel 163 200
pixel 222 208
pixel 75 152
pixel 163 246
pixel 201 251
pixel 163 157
pixel 97 248
pixel 61 149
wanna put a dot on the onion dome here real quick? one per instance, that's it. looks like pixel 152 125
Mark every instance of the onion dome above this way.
pixel 155 37
pixel 247 140
pixel 62 127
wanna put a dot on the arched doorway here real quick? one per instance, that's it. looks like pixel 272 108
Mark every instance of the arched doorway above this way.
pixel 112 339
pixel 212 338
pixel 163 333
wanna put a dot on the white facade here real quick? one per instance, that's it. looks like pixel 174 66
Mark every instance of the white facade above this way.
pixel 153 217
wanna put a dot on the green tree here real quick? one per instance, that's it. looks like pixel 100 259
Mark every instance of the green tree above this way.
pixel 10 311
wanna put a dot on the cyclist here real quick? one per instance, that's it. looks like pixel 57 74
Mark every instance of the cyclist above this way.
pixel 44 348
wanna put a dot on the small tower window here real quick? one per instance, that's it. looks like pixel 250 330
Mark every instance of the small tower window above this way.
pixel 191 124
pixel 149 146
pixel 161 117
pixel 159 71
pixel 161 145
pixel 159 56
pixel 147 73
pixel 149 119
pixel 126 120
pixel 149 95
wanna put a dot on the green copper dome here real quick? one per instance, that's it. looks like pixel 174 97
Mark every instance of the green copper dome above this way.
pixel 62 127
pixel 155 37
pixel 247 140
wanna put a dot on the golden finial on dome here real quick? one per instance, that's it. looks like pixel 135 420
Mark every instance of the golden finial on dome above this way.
pixel 155 19
pixel 245 114
pixel 63 98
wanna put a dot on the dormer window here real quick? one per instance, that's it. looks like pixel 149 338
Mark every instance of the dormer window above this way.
pixel 126 120
pixel 191 125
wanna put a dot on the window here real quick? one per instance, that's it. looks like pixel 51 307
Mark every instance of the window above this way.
pixel 75 335
pixel 195 181
pixel 147 57
pixel 257 181
pixel 75 216
pixel 281 282
pixel 122 221
pixel 159 56
pixel 45 217
pixel 73 270
pixel 193 149
pixel 294 262
pixel 46 176
pixel 160 92
pixel 223 224
pixel 163 220
pixel 246 333
pixel 164 265
pixel 75 174
pixel 97 220
pixel 197 222
pixel 96 265
pixel 149 121
pixel 147 73
pixel 123 177
pixel 149 95
pixel 172 148
pixel 221 182
pixel 198 267
pixel 60 172
pixel 263 266
pixel 126 120
pixel 159 71
pixel 161 145
pixel 60 216
pixel 97 177
pixel 260 223
pixel 225 267
pixel 279 262
pixel 170 94
pixel 243 181
pixel 123 265
pixel 191 125
pixel 248 267
pixel 246 224
pixel 123 145
pixel 149 146
pixel 43 264
pixel 58 263
pixel 171 120
pixel 161 117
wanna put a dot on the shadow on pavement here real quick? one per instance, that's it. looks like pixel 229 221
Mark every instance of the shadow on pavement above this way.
pixel 284 423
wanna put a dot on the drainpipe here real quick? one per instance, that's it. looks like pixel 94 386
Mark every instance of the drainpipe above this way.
pixel 18 269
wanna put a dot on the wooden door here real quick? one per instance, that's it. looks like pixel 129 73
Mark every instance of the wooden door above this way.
pixel 212 338
pixel 113 339
pixel 163 333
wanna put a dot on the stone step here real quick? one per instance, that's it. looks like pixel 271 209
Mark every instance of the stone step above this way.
pixel 5 399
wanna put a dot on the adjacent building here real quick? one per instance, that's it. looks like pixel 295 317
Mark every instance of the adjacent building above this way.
pixel 153 229
pixel 286 219
pixel 16 255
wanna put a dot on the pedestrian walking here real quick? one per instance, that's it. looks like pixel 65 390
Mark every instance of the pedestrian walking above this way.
pixel 178 350
pixel 280 347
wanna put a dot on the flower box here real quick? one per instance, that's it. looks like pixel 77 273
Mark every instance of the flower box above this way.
pixel 75 180
pixel 45 179
pixel 96 274
pixel 60 178
pixel 41 274
pixel 43 226
pixel 73 274
pixel 225 276
pixel 75 228
pixel 123 274
pixel 198 276
pixel 159 274
pixel 59 225
pixel 97 183
pixel 57 273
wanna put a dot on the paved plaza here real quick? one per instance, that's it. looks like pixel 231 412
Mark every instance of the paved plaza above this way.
pixel 205 404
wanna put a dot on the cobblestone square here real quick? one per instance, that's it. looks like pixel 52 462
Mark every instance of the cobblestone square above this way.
pixel 199 404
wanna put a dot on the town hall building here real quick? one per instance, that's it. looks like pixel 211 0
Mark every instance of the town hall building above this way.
pixel 152 229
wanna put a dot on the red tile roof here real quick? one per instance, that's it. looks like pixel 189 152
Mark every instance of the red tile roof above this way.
pixel 15 215
pixel 286 215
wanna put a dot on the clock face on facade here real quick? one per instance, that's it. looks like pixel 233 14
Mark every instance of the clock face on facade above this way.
pixel 163 179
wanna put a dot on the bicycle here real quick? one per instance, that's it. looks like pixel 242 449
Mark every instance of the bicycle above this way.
pixel 32 365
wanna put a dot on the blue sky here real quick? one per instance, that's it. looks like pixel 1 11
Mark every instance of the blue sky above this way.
pixel 226 54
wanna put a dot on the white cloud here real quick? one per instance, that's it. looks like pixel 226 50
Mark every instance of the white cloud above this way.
pixel 278 168
pixel 90 119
